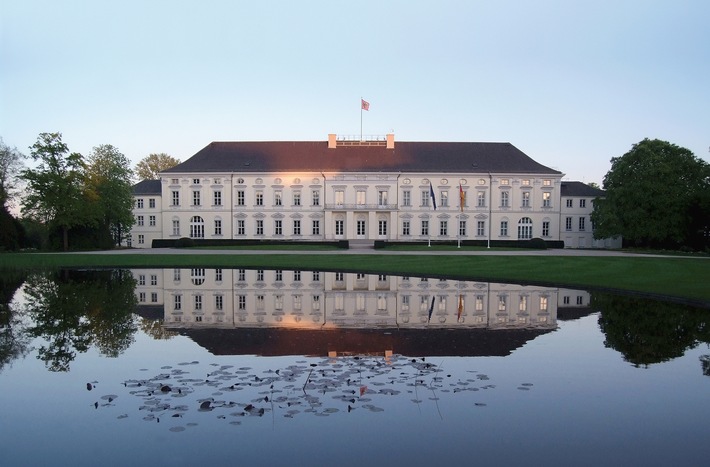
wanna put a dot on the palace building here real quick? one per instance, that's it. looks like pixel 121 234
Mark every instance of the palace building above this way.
pixel 356 190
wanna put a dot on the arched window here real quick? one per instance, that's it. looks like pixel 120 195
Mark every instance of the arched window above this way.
pixel 525 226
pixel 197 227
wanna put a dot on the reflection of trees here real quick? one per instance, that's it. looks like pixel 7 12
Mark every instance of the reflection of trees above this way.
pixel 74 310
pixel 13 343
pixel 154 328
pixel 648 331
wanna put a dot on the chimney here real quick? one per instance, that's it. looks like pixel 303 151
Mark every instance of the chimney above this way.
pixel 390 140
pixel 332 140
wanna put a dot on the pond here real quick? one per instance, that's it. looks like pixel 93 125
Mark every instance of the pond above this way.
pixel 188 366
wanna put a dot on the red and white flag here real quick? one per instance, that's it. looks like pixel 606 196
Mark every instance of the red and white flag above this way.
pixel 365 105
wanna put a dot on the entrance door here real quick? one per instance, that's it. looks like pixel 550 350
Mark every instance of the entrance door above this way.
pixel 360 227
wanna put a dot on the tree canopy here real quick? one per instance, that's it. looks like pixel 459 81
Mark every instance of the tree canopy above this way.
pixel 10 167
pixel 109 176
pixel 656 196
pixel 56 190
pixel 150 166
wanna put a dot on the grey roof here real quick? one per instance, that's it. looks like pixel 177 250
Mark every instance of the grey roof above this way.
pixel 315 156
pixel 147 187
pixel 580 189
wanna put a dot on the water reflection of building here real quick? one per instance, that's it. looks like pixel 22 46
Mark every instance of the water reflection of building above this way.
pixel 229 298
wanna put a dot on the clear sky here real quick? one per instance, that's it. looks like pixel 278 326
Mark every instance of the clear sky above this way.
pixel 572 83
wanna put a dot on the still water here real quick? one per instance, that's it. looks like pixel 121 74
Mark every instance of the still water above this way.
pixel 189 366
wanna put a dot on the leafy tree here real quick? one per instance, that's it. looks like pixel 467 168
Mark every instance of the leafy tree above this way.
pixel 56 191
pixel 149 167
pixel 11 161
pixel 650 194
pixel 109 175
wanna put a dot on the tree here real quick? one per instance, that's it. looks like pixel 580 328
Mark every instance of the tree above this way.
pixel 651 193
pixel 109 175
pixel 56 190
pixel 10 165
pixel 149 167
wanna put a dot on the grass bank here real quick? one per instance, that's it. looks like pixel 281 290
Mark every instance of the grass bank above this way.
pixel 681 278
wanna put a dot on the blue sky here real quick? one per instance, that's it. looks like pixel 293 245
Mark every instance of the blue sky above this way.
pixel 570 83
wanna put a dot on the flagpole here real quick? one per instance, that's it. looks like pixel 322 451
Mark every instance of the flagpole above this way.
pixel 361 118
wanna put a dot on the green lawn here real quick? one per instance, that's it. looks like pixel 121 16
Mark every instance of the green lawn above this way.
pixel 673 277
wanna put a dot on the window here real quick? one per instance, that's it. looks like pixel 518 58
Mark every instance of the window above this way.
pixel 315 196
pixel 444 198
pixel 259 198
pixel 176 275
pixel 481 228
pixel 151 203
pixel 405 302
pixel 153 279
pixel 260 227
pixel 545 228
pixel 526 199
pixel 501 302
pixel 503 228
pixel 546 199
pixel 240 198
pixel 297 276
pixel 504 199
pixel 195 181
pixel 139 203
pixel 278 302
pixel 543 303
pixel 525 228
pixel 582 203
pixel 425 198
pixel 139 221
pixel 260 275
pixel 547 182
pixel 141 297
pixel 197 276
pixel 198 303
pixel 296 302
pixel 462 228
pixel 525 182
pixel 382 224
pixel 174 181
pixel 259 302
pixel 339 277
pixel 242 275
pixel 339 197
pixel 217 198
pixel 297 198
pixel 406 198
pixel 316 303
pixel 381 302
pixel 154 297
pixel 176 227
pixel 425 227
pixel 296 227
pixel 278 227
pixel 580 300
pixel 360 197
pixel 523 305
pixel 151 221
pixel 315 227
pixel 196 198
pixel 277 197
pixel 565 300
pixel 197 227
pixel 569 203
pixel 360 302
pixel 241 302
pixel 339 227
pixel 141 279
pixel 218 275
pixel 481 203
pixel 505 181
pixel 177 302
pixel 581 224
pixel 479 303
pixel 175 198
pixel 405 227
pixel 382 198
pixel 443 228
pixel 360 227
pixel 568 223
pixel 218 302
pixel 315 276
pixel 279 275
pixel 141 239
pixel 241 229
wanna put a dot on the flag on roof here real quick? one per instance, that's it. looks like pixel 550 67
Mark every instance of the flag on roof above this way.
pixel 462 197
pixel 431 193
pixel 364 104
